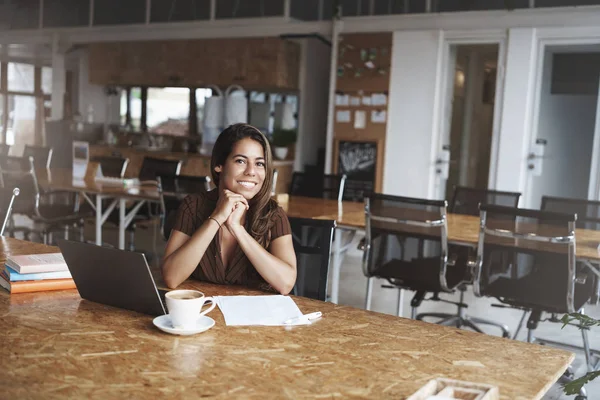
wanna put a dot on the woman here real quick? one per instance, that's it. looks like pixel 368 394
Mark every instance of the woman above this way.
pixel 234 234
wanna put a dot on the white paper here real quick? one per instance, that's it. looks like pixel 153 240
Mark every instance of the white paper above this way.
pixel 354 101
pixel 360 119
pixel 258 310
pixel 342 116
pixel 342 99
pixel 366 100
pixel 378 117
pixel 378 99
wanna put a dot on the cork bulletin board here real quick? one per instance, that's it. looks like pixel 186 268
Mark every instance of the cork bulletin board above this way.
pixel 361 107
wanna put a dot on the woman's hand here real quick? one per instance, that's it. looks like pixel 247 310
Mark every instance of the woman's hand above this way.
pixel 236 218
pixel 227 204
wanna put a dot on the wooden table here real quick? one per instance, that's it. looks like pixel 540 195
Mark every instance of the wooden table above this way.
pixel 462 230
pixel 56 345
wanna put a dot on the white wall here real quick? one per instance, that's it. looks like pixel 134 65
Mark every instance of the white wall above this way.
pixel 410 127
pixel 93 95
pixel 312 109
pixel 567 122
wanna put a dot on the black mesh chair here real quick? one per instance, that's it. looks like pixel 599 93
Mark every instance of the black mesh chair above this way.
pixel 153 167
pixel 465 201
pixel 112 166
pixel 526 259
pixel 4 149
pixel 42 156
pixel 406 243
pixel 356 190
pixel 32 203
pixel 321 186
pixel 7 199
pixel 312 244
pixel 175 188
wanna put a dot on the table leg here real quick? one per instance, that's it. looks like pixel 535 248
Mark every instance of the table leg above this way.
pixel 98 220
pixel 122 204
pixel 337 261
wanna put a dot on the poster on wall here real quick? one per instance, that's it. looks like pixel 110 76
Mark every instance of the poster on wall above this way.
pixel 358 161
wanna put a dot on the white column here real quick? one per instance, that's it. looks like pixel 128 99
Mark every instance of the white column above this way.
pixel 59 79
pixel 337 29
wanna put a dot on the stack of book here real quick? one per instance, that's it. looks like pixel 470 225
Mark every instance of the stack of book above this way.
pixel 36 273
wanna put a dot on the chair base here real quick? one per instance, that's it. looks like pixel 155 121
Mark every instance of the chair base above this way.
pixel 465 321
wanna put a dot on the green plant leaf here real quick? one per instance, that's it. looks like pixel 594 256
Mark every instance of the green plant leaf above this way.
pixel 575 385
pixel 583 321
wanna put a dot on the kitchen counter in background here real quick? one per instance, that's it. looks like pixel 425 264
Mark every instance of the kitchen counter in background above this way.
pixel 193 163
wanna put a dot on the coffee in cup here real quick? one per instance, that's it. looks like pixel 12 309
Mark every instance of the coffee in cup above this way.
pixel 185 306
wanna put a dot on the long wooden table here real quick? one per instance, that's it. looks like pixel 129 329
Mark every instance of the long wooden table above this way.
pixel 56 345
pixel 462 230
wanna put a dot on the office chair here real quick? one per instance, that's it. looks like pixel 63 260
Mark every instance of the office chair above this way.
pixel 465 201
pixel 42 156
pixel 312 243
pixel 406 243
pixel 318 185
pixel 112 166
pixel 526 259
pixel 174 189
pixel 7 199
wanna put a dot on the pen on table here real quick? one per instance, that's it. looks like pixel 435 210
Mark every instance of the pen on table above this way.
pixel 305 317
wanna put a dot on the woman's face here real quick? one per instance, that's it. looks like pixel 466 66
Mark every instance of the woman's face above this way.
pixel 244 170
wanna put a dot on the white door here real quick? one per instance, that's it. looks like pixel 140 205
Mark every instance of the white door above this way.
pixel 594 184
pixel 442 162
pixel 560 156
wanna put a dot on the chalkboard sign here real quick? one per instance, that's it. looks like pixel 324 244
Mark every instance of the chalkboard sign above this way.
pixel 358 161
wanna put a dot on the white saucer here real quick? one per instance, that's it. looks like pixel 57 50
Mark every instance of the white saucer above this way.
pixel 203 323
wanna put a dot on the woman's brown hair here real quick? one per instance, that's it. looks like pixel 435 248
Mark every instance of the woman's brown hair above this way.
pixel 262 207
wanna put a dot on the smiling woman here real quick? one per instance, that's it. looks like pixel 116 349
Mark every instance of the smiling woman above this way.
pixel 234 234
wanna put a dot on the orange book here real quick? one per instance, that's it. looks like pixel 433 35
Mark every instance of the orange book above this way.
pixel 36 286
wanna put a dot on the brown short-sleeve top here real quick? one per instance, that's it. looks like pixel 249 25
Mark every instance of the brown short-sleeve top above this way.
pixel 192 213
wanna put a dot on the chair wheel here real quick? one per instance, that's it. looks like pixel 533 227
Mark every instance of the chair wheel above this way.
pixel 506 335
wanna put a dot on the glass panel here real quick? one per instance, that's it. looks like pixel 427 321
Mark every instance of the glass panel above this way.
pixel 58 13
pixel 306 10
pixel 350 8
pixel 249 8
pixel 168 110
pixel 22 14
pixel 201 95
pixel 2 118
pixel 115 12
pixel 123 107
pixel 47 80
pixel 21 122
pixel 182 10
pixel 386 7
pixel 565 3
pixel 328 9
pixel 20 77
pixel 477 5
pixel 136 109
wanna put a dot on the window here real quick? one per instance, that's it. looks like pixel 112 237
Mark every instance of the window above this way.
pixel 136 108
pixel 47 80
pixel 22 14
pixel 182 10
pixel 305 10
pixel 116 12
pixel 21 120
pixel 201 95
pixel 565 3
pixel 477 5
pixel 249 8
pixel 20 77
pixel 386 7
pixel 59 13
pixel 168 110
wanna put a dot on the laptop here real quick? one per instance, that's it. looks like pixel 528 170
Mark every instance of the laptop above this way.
pixel 113 277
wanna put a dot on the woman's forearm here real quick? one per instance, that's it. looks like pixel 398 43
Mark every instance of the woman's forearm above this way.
pixel 278 273
pixel 179 264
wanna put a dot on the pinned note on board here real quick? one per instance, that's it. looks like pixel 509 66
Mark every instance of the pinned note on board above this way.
pixel 343 116
pixel 378 117
pixel 360 119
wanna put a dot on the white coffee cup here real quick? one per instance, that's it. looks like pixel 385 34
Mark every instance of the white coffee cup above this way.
pixel 185 306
